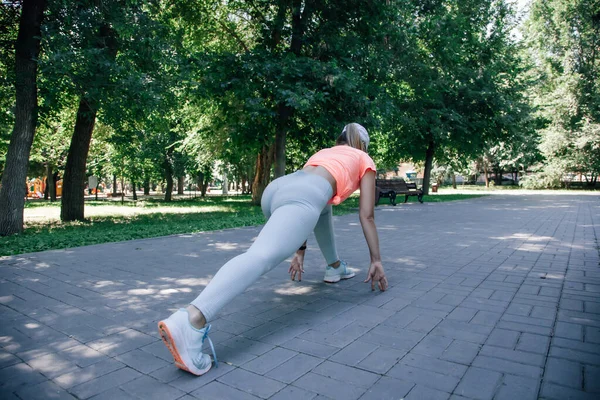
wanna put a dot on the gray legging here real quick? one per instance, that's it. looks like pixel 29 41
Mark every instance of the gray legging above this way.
pixel 294 205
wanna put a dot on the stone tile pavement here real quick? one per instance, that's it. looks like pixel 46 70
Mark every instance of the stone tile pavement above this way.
pixel 490 298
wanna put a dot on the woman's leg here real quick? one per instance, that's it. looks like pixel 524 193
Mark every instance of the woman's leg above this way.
pixel 325 238
pixel 285 231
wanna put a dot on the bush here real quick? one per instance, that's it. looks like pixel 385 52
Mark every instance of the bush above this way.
pixel 544 179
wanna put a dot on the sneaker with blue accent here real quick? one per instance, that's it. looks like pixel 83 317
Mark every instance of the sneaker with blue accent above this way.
pixel 185 343
pixel 333 275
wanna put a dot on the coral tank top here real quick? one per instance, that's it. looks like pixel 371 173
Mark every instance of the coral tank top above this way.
pixel 347 165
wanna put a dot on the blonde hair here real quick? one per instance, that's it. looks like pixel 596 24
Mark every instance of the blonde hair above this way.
pixel 354 135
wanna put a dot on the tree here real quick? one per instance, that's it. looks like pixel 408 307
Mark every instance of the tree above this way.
pixel 461 89
pixel 563 38
pixel 27 48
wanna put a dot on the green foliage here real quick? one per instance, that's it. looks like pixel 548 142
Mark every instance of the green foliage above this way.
pixel 563 38
pixel 9 26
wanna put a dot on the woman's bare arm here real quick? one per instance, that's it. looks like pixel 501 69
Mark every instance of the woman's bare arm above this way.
pixel 367 221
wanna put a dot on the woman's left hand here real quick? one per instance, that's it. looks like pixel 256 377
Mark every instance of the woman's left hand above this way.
pixel 296 267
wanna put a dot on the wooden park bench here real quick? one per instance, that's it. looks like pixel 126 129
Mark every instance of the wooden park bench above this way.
pixel 394 187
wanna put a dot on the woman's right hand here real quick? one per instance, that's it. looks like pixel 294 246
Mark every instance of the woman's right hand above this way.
pixel 377 274
pixel 296 267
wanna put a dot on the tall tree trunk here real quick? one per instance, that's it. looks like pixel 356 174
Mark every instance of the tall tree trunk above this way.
pixel 200 183
pixel 205 184
pixel 283 115
pixel 72 205
pixel 168 174
pixel 27 49
pixel 453 180
pixel 225 185
pixel 134 190
pixel 264 161
pixel 146 186
pixel 47 181
pixel 180 184
pixel 428 165
pixel 114 188
pixel 301 14
pixel 50 184
pixel 487 180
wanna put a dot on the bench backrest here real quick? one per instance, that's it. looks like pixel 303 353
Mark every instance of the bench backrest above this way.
pixel 392 184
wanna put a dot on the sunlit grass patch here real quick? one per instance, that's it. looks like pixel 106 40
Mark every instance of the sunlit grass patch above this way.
pixel 113 221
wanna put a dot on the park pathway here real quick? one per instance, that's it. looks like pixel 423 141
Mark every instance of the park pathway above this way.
pixel 490 298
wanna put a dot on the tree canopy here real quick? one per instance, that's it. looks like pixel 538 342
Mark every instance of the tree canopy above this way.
pixel 155 91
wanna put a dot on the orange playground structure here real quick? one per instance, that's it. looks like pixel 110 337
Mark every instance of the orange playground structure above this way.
pixel 36 187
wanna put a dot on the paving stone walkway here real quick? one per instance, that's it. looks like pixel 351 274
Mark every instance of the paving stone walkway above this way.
pixel 490 298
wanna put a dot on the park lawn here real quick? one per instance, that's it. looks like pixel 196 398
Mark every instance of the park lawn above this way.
pixel 111 221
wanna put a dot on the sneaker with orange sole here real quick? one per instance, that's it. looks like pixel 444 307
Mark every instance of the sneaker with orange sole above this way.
pixel 185 343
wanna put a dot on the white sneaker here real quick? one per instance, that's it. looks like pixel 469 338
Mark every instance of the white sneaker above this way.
pixel 333 275
pixel 185 342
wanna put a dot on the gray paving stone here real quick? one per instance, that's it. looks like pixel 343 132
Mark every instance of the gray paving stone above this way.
pixel 219 391
pixel 104 383
pixel 521 357
pixel 294 368
pixel 592 383
pixel 430 379
pixel 354 353
pixel 189 383
pixel 310 348
pixel 294 393
pixel 269 360
pixel 568 330
pixel 518 387
pixel 461 352
pixel 564 372
pixel 435 365
pixel 44 391
pixel 592 334
pixel 381 360
pixel 574 355
pixel 487 318
pixel 507 367
pixel 142 361
pixel 520 327
pixel 341 372
pixel 528 320
pixel 7 359
pixel 479 383
pixel 503 338
pixel 14 376
pixel 533 343
pixel 52 365
pixel 544 312
pixel 462 314
pixel 83 355
pixel 252 383
pixel 400 339
pixel 146 387
pixel 339 339
pixel 557 392
pixel 388 389
pixel 576 345
pixel 328 387
pixel 423 323
pixel 114 393
pixel 432 346
pixel 82 375
pixel 425 393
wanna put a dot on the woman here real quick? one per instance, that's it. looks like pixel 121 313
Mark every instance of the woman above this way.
pixel 294 205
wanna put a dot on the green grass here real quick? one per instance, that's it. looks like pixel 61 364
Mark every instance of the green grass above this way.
pixel 150 218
